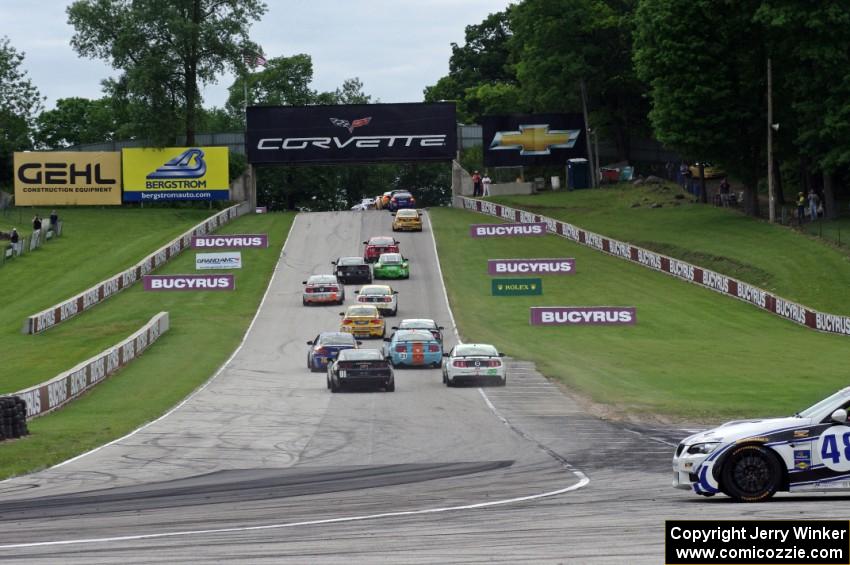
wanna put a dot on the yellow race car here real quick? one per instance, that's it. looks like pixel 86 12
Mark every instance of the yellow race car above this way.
pixel 362 321
pixel 407 219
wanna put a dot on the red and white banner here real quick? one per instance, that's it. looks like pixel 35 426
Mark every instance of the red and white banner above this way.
pixel 728 286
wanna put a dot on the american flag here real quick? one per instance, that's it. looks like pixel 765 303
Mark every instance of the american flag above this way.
pixel 254 60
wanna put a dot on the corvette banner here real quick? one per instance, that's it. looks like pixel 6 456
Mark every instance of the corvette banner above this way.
pixel 351 133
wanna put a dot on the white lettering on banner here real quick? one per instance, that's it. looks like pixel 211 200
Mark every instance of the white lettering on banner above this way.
pixel 128 277
pixel 752 294
pixel 91 298
pixel 141 342
pixel 649 258
pixel 587 317
pixel 230 242
pixel 45 320
pixel 833 323
pixel 551 225
pixel 78 381
pixel 487 208
pixel 715 281
pixel 470 205
pixel 682 270
pixel 146 266
pixel 68 309
pixel 110 287
pixel 508 213
pixel 113 361
pixel 561 267
pixel 175 248
pixel 33 400
pixel 570 231
pixel 790 310
pixel 180 284
pixel 129 351
pixel 509 230
pixel 593 240
pixel 620 249
pixel 160 258
pixel 154 332
pixel 526 217
pixel 187 240
pixel 57 393
pixel 98 369
pixel 372 141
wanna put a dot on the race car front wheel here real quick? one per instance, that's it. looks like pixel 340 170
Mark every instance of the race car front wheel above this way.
pixel 751 473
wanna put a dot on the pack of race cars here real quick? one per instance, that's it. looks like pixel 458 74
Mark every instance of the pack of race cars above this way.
pixel 414 342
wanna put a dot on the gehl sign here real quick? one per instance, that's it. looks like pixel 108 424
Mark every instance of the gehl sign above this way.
pixel 67 178
pixel 352 133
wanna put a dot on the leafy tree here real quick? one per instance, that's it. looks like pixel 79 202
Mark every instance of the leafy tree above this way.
pixel 165 48
pixel 560 43
pixel 74 121
pixel 284 81
pixel 704 61
pixel 483 59
pixel 20 102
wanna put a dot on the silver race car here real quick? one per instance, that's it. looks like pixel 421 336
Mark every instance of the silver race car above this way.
pixel 750 460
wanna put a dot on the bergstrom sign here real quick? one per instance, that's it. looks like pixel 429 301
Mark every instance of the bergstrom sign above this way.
pixel 291 135
pixel 506 230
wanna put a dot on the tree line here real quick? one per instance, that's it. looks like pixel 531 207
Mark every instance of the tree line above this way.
pixel 690 73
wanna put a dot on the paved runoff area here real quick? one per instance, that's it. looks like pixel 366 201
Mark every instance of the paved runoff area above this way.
pixel 266 465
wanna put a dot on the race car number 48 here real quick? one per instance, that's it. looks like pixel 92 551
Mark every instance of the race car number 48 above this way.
pixel 834 448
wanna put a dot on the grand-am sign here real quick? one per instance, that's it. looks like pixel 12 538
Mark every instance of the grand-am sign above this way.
pixel 227 260
pixel 565 266
pixel 189 282
pixel 582 315
pixel 507 230
pixel 230 241
pixel 351 133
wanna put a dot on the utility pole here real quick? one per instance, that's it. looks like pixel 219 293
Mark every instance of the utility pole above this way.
pixel 587 132
pixel 771 202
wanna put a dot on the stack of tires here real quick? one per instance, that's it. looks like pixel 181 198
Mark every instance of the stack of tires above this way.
pixel 13 417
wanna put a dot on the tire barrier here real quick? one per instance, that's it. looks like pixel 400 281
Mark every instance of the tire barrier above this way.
pixel 78 304
pixel 13 417
pixel 73 383
pixel 727 286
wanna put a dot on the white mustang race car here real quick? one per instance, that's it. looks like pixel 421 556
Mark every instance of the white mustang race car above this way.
pixel 750 460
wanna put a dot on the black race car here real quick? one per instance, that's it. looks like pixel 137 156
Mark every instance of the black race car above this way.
pixel 355 367
pixel 352 270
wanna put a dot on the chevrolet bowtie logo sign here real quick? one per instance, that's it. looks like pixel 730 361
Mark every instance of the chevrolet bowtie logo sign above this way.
pixel 535 139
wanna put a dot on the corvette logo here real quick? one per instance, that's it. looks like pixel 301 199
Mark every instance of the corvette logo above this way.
pixel 535 139
pixel 350 126
pixel 188 165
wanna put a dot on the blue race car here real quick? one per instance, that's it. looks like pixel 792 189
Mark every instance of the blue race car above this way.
pixel 414 348
pixel 325 348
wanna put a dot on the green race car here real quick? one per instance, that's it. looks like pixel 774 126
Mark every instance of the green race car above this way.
pixel 391 266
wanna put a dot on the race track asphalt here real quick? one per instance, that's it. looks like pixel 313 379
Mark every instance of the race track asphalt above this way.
pixel 266 465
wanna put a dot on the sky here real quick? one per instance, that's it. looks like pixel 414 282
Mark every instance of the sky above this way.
pixel 396 47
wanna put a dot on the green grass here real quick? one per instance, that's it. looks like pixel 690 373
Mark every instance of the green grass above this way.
pixel 837 231
pixel 777 258
pixel 205 329
pixel 692 354
pixel 96 244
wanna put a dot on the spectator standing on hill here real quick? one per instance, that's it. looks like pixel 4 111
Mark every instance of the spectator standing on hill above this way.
pixel 476 184
pixel 724 192
pixel 54 220
pixel 668 167
pixel 801 207
pixel 684 173
pixel 485 183
pixel 15 238
pixel 36 223
pixel 814 200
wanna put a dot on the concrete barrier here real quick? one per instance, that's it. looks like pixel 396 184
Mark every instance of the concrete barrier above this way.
pixel 73 383
pixel 93 296
pixel 694 274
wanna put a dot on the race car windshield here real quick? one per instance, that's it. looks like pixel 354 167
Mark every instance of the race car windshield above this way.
pixel 475 350
pixel 345 261
pixel 835 400
pixel 407 214
pixel 417 325
pixel 364 311
pixel 321 280
pixel 375 291
pixel 360 355
pixel 337 339
pixel 403 195
pixel 382 241
pixel 415 336
pixel 390 258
